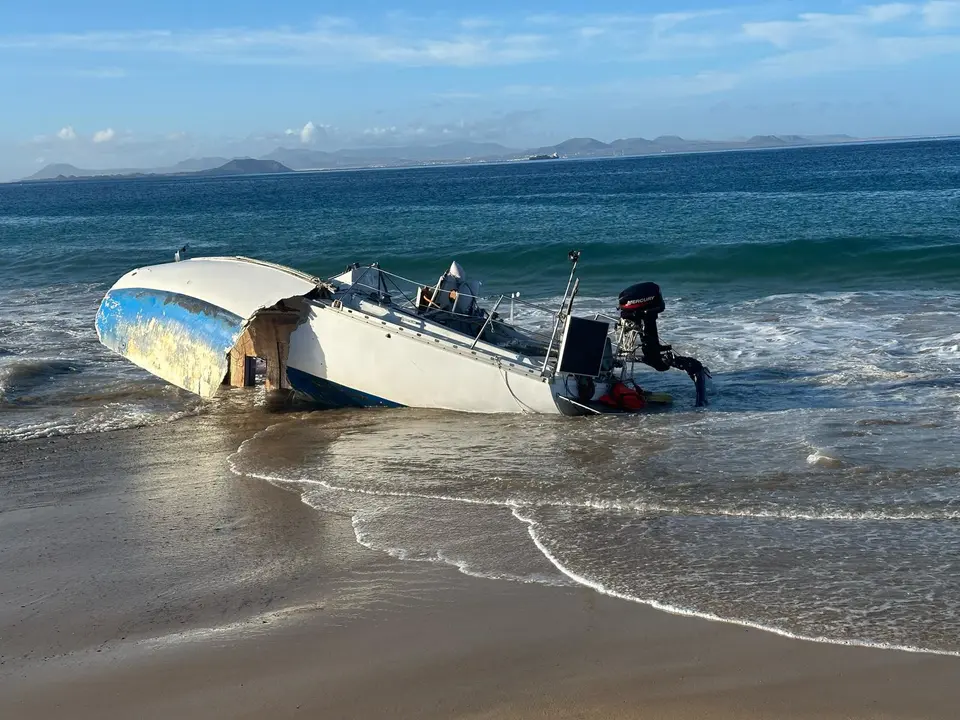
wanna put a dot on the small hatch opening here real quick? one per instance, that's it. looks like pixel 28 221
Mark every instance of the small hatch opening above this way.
pixel 254 371
pixel 259 358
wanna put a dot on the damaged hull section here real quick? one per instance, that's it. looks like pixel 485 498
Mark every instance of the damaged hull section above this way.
pixel 178 338
pixel 199 322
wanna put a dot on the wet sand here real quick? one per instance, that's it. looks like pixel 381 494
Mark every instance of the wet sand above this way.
pixel 140 578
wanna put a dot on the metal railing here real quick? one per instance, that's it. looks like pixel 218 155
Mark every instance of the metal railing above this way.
pixel 389 285
pixel 408 296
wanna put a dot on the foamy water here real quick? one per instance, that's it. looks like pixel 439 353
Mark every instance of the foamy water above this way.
pixel 816 497
pixel 57 379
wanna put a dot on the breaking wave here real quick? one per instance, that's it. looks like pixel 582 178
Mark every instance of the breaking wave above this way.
pixel 472 535
pixel 108 418
pixel 603 589
pixel 21 375
pixel 869 262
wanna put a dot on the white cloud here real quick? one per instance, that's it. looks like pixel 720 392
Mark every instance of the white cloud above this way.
pixel 808 45
pixel 942 13
pixel 853 55
pixel 102 136
pixel 457 95
pixel 664 22
pixel 532 90
pixel 719 49
pixel 67 133
pixel 476 42
pixel 547 19
pixel 829 26
pixel 381 131
pixel 307 133
pixel 675 86
pixel 889 12
pixel 496 128
pixel 632 37
pixel 326 44
pixel 872 36
pixel 478 23
pixel 104 73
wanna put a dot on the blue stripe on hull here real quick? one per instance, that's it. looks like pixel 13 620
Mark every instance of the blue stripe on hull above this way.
pixel 178 338
pixel 333 395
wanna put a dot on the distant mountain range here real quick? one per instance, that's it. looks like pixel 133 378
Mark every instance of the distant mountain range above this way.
pixel 204 167
pixel 290 159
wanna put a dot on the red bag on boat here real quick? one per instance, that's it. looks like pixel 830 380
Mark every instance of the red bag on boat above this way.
pixel 624 397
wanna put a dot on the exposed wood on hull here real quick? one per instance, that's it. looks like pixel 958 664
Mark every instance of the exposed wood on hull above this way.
pixel 267 337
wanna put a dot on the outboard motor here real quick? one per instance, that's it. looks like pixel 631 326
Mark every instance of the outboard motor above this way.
pixel 640 305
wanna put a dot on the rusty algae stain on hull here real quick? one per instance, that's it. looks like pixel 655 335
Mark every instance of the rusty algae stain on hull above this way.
pixel 178 338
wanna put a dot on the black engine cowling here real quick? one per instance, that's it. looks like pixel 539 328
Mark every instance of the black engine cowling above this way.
pixel 640 305
pixel 640 302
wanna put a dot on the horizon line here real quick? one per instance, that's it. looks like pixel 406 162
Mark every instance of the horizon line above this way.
pixel 146 174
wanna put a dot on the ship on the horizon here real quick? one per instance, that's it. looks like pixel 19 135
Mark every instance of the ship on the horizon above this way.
pixel 551 156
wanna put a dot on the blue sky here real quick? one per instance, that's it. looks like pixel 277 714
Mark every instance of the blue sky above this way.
pixel 106 83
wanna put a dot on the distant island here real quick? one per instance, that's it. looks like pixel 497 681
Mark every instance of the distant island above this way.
pixel 237 166
pixel 245 166
pixel 287 160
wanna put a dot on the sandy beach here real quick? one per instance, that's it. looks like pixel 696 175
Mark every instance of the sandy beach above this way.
pixel 140 578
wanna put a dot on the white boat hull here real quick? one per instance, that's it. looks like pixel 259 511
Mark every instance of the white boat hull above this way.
pixel 341 357
pixel 203 323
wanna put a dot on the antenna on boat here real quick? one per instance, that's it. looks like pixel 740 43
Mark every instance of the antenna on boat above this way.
pixel 574 256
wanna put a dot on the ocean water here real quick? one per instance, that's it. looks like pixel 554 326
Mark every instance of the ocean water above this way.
pixel 817 496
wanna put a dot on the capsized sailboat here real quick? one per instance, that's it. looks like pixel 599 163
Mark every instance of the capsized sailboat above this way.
pixel 368 338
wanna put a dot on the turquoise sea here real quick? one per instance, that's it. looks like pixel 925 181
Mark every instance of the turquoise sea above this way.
pixel 819 493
